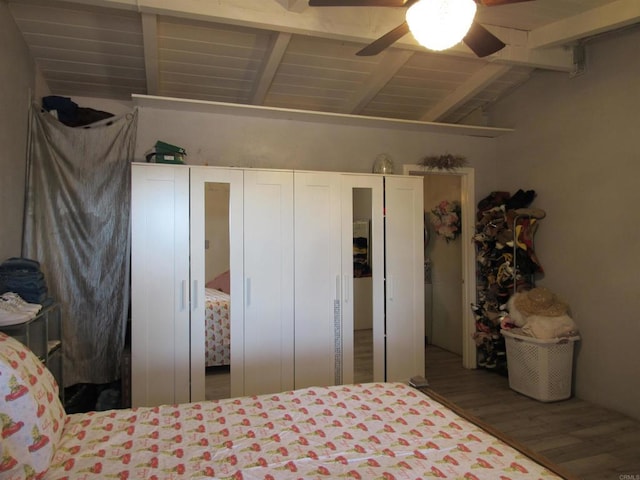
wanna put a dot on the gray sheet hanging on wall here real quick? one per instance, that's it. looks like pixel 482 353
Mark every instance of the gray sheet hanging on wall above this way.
pixel 77 226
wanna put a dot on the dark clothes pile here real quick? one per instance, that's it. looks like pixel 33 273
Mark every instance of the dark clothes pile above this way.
pixel 70 113
pixel 24 277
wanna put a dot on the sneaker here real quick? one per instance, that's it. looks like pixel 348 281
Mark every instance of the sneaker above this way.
pixel 8 315
pixel 491 361
pixel 13 301
pixel 482 359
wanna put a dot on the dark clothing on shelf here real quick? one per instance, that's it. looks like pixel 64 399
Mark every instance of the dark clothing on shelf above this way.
pixel 23 276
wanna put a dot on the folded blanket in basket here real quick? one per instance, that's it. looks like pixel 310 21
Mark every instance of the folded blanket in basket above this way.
pixel 541 327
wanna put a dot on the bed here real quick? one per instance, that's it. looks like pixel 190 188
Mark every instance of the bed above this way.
pixel 217 328
pixel 367 431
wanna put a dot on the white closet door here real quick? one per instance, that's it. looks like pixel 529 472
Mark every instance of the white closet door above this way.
pixel 404 254
pixel 373 184
pixel 200 177
pixel 160 358
pixel 318 279
pixel 268 294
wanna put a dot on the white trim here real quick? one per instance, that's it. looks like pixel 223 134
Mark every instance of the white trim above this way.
pixel 467 196
pixel 257 111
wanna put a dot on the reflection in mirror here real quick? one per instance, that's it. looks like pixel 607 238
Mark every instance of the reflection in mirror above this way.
pixel 362 287
pixel 217 292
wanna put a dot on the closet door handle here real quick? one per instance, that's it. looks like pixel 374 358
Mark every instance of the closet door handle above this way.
pixel 338 287
pixel 390 287
pixel 183 294
pixel 195 295
pixel 346 288
pixel 248 292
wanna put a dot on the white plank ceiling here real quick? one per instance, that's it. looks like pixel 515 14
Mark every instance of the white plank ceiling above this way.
pixel 283 53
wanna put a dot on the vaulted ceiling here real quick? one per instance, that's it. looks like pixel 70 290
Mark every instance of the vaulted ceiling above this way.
pixel 283 53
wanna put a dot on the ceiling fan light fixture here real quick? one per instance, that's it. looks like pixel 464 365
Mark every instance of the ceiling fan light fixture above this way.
pixel 440 24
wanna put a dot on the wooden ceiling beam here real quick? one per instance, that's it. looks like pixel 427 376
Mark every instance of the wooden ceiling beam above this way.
pixel 602 19
pixel 270 67
pixel 473 85
pixel 294 5
pixel 392 61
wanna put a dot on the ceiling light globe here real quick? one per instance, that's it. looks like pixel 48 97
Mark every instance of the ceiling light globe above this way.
pixel 440 24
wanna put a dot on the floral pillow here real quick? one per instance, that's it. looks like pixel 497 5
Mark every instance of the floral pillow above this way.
pixel 31 414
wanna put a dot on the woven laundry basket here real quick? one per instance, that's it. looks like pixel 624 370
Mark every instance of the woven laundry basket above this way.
pixel 540 369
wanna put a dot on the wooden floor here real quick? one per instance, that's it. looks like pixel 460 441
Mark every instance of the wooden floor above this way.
pixel 590 442
pixel 217 383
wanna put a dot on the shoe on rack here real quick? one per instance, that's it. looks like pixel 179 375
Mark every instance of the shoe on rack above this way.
pixel 13 301
pixel 482 359
pixel 8 315
pixel 491 360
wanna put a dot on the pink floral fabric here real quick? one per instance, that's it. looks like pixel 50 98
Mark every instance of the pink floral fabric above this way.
pixel 31 414
pixel 377 430
pixel 217 328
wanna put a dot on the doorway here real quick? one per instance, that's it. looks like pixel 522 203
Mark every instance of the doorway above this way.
pixel 443 263
pixel 450 275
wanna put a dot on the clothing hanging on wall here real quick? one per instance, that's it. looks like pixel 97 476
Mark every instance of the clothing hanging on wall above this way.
pixel 77 226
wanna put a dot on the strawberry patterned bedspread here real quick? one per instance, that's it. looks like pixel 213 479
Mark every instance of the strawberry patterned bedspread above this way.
pixel 217 328
pixel 369 431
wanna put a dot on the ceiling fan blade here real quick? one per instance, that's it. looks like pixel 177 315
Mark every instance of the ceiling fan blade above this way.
pixel 357 3
pixel 385 41
pixel 495 3
pixel 482 41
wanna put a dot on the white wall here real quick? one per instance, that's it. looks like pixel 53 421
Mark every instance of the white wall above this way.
pixel 17 79
pixel 41 88
pixel 577 144
pixel 237 140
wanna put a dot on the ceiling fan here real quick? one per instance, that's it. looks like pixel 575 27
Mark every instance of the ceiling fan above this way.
pixel 477 38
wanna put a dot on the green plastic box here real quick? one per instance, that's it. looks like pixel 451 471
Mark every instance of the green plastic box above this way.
pixel 163 147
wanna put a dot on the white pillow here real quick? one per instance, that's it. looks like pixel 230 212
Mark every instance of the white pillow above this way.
pixel 31 414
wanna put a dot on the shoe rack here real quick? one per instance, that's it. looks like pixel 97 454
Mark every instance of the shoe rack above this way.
pixel 506 263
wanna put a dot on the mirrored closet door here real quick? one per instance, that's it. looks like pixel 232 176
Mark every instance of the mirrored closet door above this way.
pixel 216 281
pixel 363 276
pixel 247 216
pixel 330 287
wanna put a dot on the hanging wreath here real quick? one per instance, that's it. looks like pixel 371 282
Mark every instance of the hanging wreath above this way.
pixel 444 162
pixel 446 219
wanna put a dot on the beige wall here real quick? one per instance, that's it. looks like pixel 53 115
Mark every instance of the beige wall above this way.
pixel 250 142
pixel 577 144
pixel 17 79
